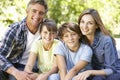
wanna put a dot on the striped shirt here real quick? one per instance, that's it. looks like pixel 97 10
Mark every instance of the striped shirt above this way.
pixel 13 45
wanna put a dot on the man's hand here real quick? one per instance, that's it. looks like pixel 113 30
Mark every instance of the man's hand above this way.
pixel 21 75
pixel 33 75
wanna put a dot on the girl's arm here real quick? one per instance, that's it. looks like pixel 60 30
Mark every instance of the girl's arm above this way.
pixel 44 76
pixel 80 65
pixel 30 62
pixel 54 68
pixel 62 66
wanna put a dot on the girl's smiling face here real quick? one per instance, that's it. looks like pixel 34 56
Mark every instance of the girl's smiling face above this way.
pixel 47 36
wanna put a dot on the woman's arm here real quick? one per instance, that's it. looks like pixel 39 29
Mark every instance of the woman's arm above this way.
pixel 96 72
pixel 30 62
pixel 80 65
pixel 110 55
pixel 84 75
pixel 62 66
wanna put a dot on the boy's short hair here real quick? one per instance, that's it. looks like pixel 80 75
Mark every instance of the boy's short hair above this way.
pixel 68 25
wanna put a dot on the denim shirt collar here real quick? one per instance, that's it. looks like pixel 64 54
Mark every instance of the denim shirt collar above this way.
pixel 97 39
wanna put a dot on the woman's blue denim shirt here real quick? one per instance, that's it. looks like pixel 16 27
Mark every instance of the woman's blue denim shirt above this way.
pixel 104 53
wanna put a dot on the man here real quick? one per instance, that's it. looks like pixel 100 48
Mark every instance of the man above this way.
pixel 17 42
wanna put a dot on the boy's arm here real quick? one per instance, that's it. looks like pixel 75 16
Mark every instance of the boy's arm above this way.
pixel 80 65
pixel 62 66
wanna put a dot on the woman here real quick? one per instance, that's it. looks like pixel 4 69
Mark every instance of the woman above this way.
pixel 103 45
pixel 72 55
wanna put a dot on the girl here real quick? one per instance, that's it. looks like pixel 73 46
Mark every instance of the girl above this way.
pixel 43 49
pixel 72 55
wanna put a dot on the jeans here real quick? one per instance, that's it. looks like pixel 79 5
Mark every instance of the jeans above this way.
pixel 54 77
pixel 99 78
pixel 3 75
pixel 19 67
pixel 115 76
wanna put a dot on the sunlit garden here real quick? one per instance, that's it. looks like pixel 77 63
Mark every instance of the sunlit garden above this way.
pixel 64 10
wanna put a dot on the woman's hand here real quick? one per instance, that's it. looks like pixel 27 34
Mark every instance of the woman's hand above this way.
pixel 83 75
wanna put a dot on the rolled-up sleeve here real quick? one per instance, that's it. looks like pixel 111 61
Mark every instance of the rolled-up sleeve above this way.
pixel 4 64
pixel 5 49
pixel 108 71
pixel 110 56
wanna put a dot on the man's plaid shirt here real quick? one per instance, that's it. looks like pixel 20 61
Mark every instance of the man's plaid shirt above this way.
pixel 13 45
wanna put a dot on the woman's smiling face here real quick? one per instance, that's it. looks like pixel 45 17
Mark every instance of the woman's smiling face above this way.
pixel 87 25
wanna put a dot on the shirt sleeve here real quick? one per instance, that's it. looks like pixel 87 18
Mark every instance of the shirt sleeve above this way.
pixel 108 71
pixel 60 49
pixel 110 55
pixel 35 46
pixel 86 54
pixel 5 48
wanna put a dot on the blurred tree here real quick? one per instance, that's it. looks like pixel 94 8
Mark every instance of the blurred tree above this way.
pixel 11 11
pixel 64 10
pixel 109 11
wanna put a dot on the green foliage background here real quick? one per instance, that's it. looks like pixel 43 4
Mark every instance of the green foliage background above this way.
pixel 64 10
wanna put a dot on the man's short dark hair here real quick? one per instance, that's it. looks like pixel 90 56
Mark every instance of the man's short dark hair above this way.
pixel 41 2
